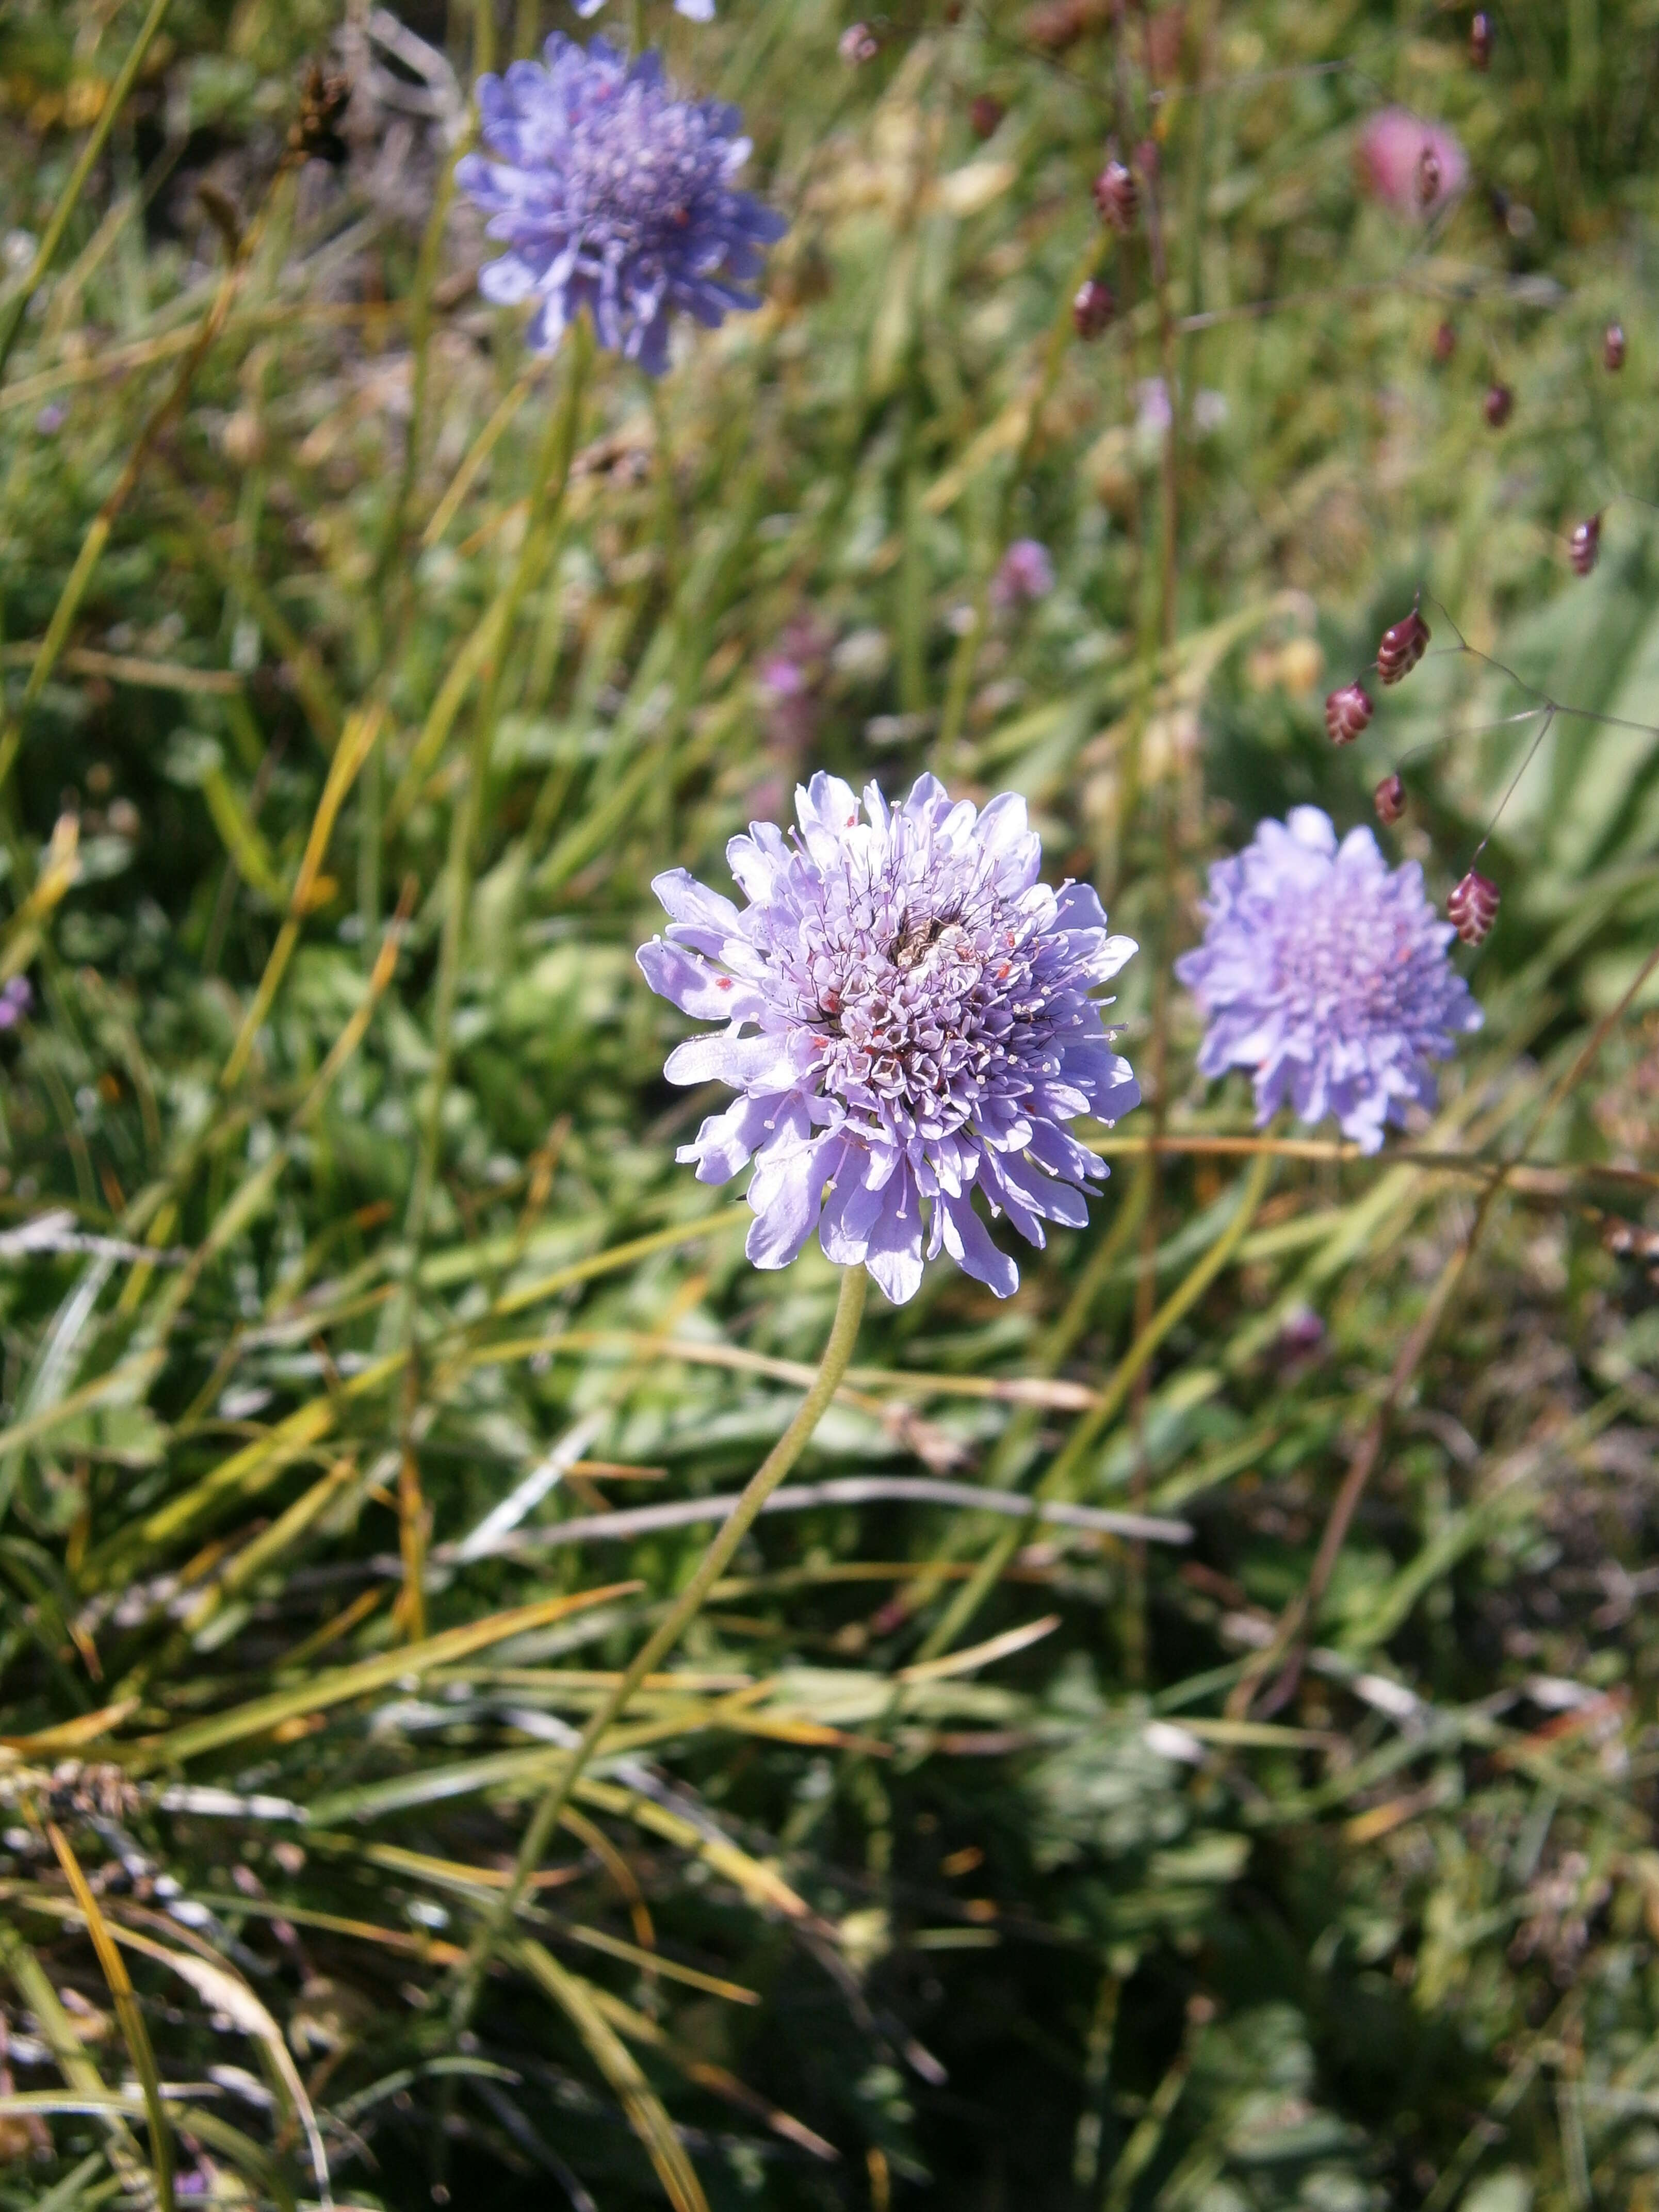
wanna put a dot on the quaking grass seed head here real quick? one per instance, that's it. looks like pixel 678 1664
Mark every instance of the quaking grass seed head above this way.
pixel 1584 546
pixel 1472 906
pixel 1347 711
pixel 1497 406
pixel 1612 348
pixel 1389 800
pixel 1093 305
pixel 1401 646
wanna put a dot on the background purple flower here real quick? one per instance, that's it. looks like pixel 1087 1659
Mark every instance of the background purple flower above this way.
pixel 1024 574
pixel 616 194
pixel 1393 148
pixel 1325 973
pixel 907 1020
pixel 15 1000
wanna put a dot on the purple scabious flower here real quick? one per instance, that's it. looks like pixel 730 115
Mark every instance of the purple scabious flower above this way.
pixel 1324 972
pixel 615 194
pixel 908 1019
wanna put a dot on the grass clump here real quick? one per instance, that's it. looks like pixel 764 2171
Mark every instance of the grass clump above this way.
pixel 360 670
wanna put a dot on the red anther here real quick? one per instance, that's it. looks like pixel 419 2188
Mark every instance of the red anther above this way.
pixel 1117 196
pixel 1347 713
pixel 1403 645
pixel 1445 342
pixel 1480 41
pixel 1092 308
pixel 1428 177
pixel 1472 906
pixel 1584 547
pixel 1389 800
pixel 985 113
pixel 1497 406
pixel 1613 347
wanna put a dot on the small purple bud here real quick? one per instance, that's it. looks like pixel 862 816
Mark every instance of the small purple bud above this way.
pixel 51 418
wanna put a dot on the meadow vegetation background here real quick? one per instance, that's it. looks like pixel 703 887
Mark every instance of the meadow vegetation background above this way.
pixel 358 681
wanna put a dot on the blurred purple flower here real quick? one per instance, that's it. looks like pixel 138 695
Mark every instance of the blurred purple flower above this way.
pixel 15 1000
pixel 1412 167
pixel 1026 573
pixel 1325 973
pixel 51 418
pixel 615 194
pixel 920 1025
pixel 1152 416
pixel 697 11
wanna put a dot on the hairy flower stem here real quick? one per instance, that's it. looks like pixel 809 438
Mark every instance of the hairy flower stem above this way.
pixel 832 1368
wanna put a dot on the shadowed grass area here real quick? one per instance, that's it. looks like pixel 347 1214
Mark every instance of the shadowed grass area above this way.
pixel 360 670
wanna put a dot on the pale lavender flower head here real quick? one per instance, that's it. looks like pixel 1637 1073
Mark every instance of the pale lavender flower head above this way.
pixel 1024 574
pixel 15 1000
pixel 615 194
pixel 1324 972
pixel 908 1019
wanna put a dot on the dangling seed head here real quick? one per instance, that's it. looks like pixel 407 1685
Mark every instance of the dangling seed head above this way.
pixel 1347 711
pixel 1117 196
pixel 1445 342
pixel 1472 906
pixel 1499 406
pixel 857 45
pixel 1612 348
pixel 1403 645
pixel 985 113
pixel 1389 800
pixel 1428 177
pixel 1584 547
pixel 1480 41
pixel 1093 305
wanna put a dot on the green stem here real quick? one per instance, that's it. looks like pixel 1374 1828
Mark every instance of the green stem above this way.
pixel 547 497
pixel 1093 1425
pixel 832 1368
pixel 70 198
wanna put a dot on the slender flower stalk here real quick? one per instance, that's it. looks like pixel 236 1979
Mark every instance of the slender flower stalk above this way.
pixel 772 1470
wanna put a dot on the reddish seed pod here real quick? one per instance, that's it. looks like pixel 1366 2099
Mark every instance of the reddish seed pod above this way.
pixel 1480 41
pixel 857 45
pixel 1472 906
pixel 985 113
pixel 1093 305
pixel 1612 348
pixel 1347 711
pixel 1117 196
pixel 1499 406
pixel 1428 177
pixel 1584 547
pixel 1445 343
pixel 1389 800
pixel 1403 645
